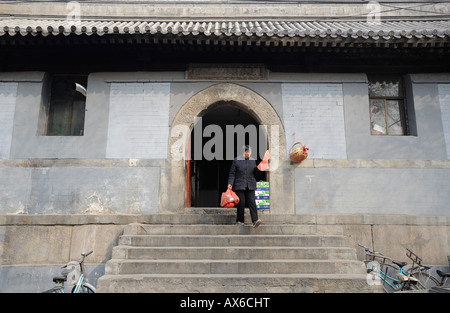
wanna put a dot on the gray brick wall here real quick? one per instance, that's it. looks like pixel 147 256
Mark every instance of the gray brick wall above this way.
pixel 8 94
pixel 314 115
pixel 444 100
pixel 138 120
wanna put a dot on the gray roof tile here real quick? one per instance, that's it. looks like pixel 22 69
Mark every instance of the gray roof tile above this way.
pixel 322 29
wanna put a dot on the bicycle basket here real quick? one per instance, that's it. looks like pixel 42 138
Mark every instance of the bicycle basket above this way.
pixel 72 271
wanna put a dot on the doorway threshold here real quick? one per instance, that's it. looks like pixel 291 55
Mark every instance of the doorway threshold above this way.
pixel 210 210
pixel 219 210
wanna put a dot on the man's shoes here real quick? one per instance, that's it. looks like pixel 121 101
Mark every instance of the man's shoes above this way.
pixel 257 223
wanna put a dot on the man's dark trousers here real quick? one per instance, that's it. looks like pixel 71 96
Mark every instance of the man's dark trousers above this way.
pixel 246 197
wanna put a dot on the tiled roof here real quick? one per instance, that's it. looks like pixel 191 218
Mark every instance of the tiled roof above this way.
pixel 323 29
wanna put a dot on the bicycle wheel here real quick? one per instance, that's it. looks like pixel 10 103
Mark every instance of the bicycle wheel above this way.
pixel 86 288
pixel 427 280
pixel 416 286
pixel 390 285
pixel 388 288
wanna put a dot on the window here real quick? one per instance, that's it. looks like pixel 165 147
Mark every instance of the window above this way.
pixel 67 106
pixel 387 106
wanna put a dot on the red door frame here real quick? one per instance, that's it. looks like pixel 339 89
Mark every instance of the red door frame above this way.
pixel 188 174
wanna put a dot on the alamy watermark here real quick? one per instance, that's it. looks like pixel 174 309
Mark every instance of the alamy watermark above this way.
pixel 214 142
pixel 214 148
pixel 73 17
pixel 373 278
pixel 374 16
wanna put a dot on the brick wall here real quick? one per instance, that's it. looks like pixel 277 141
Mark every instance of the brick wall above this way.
pixel 138 120
pixel 444 100
pixel 314 115
pixel 8 93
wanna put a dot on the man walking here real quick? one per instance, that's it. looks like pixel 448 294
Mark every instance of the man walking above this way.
pixel 242 180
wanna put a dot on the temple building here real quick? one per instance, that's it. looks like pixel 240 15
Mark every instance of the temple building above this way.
pixel 122 112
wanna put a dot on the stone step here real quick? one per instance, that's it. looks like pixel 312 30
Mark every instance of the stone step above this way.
pixel 236 283
pixel 231 252
pixel 233 240
pixel 225 217
pixel 217 211
pixel 206 251
pixel 233 266
pixel 209 229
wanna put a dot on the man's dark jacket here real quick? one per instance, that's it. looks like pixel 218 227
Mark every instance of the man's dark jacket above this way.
pixel 242 174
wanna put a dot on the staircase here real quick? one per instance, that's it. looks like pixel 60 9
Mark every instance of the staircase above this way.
pixel 207 252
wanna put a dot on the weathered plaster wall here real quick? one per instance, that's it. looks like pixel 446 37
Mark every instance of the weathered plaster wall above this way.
pixel 83 186
pixel 34 247
pixel 372 187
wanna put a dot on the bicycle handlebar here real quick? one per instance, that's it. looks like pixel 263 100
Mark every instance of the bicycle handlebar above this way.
pixel 368 250
pixel 381 256
pixel 86 254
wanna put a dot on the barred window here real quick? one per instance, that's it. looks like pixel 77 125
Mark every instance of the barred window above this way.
pixel 387 106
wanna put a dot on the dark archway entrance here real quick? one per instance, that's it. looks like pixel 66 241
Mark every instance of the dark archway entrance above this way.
pixel 209 177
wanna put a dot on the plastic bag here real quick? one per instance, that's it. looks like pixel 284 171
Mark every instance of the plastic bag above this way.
pixel 264 165
pixel 229 199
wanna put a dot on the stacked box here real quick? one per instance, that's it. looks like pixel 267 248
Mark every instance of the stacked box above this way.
pixel 262 195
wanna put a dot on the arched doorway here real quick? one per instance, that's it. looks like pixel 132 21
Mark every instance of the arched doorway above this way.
pixel 174 177
pixel 222 129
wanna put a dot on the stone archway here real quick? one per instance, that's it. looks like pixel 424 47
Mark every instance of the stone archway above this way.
pixel 174 175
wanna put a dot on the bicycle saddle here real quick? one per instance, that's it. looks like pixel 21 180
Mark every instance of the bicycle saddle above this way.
pixel 59 279
pixel 442 274
pixel 400 264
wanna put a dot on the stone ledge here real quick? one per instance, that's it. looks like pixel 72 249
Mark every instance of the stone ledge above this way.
pixel 308 163
pixel 67 219
pixel 373 163
pixel 125 219
pixel 69 162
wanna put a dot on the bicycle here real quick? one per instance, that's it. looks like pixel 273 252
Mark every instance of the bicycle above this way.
pixel 374 267
pixel 404 281
pixel 427 281
pixel 444 276
pixel 76 271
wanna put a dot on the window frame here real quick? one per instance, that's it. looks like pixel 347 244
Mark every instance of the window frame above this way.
pixel 50 110
pixel 400 99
